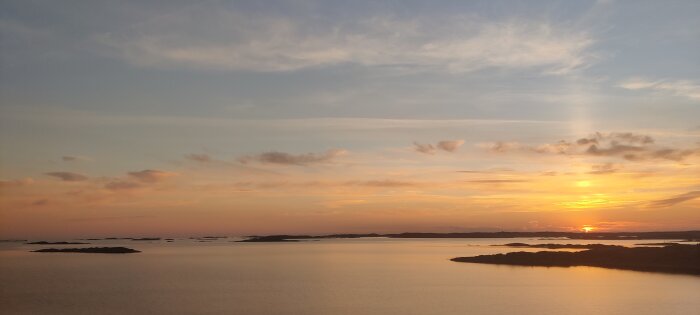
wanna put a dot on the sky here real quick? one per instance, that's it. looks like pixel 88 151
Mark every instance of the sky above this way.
pixel 180 118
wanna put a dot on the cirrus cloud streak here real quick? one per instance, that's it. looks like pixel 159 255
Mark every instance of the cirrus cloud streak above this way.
pixel 231 40
pixel 282 158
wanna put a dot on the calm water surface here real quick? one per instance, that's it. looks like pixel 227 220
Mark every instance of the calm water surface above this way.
pixel 353 276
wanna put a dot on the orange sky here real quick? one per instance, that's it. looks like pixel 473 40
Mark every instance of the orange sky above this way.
pixel 237 117
pixel 394 190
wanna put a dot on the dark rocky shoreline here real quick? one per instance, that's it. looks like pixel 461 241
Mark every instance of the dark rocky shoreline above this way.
pixel 559 246
pixel 677 258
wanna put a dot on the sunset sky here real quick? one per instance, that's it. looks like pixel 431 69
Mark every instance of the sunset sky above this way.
pixel 180 118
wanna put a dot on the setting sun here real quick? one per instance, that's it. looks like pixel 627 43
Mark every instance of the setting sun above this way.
pixel 583 183
pixel 587 229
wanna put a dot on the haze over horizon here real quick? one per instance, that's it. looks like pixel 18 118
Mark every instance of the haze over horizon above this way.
pixel 175 118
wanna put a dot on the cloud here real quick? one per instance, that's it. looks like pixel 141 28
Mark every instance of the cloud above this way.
pixel 68 176
pixel 686 88
pixel 74 158
pixel 498 181
pixel 641 153
pixel 607 168
pixel 40 202
pixel 626 137
pixel 625 145
pixel 122 185
pixel 343 203
pixel 201 158
pixel 226 39
pixel 614 149
pixel 450 145
pixel 632 147
pixel 445 145
pixel 424 148
pixel 138 179
pixel 508 147
pixel 151 176
pixel 382 183
pixel 17 182
pixel 676 199
pixel 637 84
pixel 282 158
pixel 500 146
pixel 560 147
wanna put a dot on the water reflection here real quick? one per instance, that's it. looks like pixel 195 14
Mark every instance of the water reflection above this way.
pixel 352 276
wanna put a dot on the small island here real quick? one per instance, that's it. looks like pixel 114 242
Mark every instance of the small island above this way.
pixel 273 238
pixel 97 250
pixel 560 246
pixel 676 258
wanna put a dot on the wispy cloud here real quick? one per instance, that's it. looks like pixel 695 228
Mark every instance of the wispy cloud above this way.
pixel 445 145
pixel 424 148
pixel 138 179
pixel 122 185
pixel 625 145
pixel 40 202
pixel 607 168
pixel 686 88
pixel 201 158
pixel 450 145
pixel 228 39
pixel 498 181
pixel 382 183
pixel 283 158
pixel 676 199
pixel 74 158
pixel 151 176
pixel 17 182
pixel 68 176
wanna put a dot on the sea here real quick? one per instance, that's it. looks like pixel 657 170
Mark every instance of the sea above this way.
pixel 328 276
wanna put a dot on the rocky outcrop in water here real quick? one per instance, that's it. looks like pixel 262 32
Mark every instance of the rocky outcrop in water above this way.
pixel 677 258
pixel 98 250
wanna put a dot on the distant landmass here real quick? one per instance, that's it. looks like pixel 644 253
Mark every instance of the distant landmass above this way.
pixel 146 239
pixel 273 238
pixel 682 236
pixel 57 243
pixel 297 238
pixel 99 250
pixel 676 258
pixel 679 235
pixel 560 246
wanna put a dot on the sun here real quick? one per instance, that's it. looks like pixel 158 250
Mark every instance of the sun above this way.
pixel 583 183
pixel 587 228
